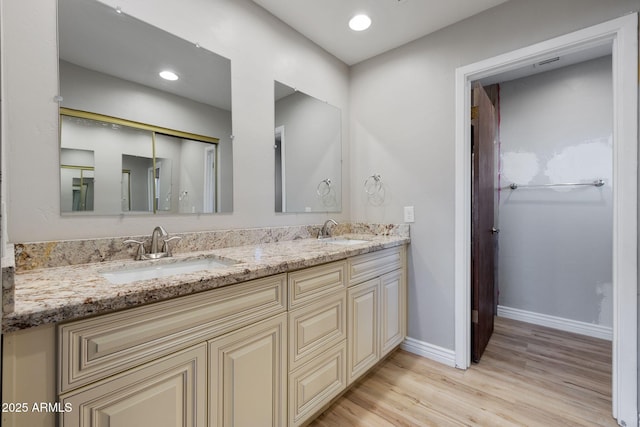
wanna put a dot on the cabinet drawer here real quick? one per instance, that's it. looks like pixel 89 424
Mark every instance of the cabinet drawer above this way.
pixel 367 266
pixel 315 327
pixel 92 349
pixel 310 283
pixel 314 384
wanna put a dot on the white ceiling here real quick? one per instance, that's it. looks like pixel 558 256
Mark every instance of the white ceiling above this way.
pixel 94 36
pixel 394 22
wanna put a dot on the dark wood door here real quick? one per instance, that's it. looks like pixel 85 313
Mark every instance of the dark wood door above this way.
pixel 483 233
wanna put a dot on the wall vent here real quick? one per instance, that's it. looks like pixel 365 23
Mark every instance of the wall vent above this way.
pixel 548 61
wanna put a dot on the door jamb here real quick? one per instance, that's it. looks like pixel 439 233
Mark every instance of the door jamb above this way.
pixel 622 35
pixel 280 133
pixel 210 196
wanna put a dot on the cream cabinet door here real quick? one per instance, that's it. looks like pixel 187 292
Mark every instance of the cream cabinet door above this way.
pixel 248 376
pixel 315 383
pixel 362 327
pixel 392 311
pixel 168 392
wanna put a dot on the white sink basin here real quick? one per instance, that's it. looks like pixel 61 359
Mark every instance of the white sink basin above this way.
pixel 166 269
pixel 344 241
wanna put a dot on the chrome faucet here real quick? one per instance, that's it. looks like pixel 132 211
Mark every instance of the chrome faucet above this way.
pixel 157 232
pixel 156 251
pixel 324 231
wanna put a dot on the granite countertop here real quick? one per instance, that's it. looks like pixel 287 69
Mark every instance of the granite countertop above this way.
pixel 56 294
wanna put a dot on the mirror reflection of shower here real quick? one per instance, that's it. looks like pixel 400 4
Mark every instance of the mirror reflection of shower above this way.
pixel 136 169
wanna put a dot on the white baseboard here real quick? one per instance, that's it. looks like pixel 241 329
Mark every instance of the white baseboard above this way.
pixel 568 325
pixel 430 351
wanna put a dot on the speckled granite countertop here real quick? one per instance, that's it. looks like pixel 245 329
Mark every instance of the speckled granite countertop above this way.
pixel 57 294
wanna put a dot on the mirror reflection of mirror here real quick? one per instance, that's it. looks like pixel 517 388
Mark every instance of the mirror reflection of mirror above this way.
pixel 137 186
pixel 76 180
pixel 308 153
pixel 126 189
pixel 159 146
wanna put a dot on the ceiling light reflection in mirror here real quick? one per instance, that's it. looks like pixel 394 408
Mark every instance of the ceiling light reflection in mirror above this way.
pixel 109 65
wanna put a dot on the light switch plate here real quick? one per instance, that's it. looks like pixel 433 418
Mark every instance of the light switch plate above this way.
pixel 408 214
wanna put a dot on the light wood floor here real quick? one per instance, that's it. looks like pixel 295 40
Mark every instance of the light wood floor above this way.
pixel 529 375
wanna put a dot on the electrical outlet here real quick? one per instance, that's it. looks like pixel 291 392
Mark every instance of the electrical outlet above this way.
pixel 408 214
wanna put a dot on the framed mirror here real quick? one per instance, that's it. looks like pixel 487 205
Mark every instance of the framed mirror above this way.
pixel 157 145
pixel 308 153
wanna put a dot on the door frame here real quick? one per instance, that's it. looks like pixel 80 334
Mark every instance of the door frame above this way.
pixel 279 133
pixel 622 35
pixel 210 195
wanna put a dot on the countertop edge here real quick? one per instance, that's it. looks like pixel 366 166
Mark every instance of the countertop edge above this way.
pixel 47 313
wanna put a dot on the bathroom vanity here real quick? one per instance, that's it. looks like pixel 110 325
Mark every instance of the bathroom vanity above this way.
pixel 269 340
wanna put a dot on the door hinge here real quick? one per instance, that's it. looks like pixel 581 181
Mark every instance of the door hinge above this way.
pixel 474 113
pixel 474 316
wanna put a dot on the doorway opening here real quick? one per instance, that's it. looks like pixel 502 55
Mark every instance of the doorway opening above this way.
pixel 620 36
pixel 549 184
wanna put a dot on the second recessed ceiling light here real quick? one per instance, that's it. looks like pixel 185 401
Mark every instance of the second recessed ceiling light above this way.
pixel 360 23
pixel 168 75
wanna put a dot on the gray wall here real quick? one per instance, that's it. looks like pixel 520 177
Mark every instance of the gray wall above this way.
pixel 555 243
pixel 403 127
pixel 400 116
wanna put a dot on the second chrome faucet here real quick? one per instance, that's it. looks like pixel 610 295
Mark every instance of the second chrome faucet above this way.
pixel 324 231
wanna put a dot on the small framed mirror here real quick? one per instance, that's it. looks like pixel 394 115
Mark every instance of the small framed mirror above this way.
pixel 308 153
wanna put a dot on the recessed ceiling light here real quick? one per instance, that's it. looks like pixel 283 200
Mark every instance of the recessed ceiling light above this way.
pixel 168 75
pixel 360 23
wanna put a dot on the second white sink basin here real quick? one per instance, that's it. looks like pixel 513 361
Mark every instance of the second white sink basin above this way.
pixel 344 241
pixel 166 269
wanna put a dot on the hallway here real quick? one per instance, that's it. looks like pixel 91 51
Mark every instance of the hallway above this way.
pixel 529 375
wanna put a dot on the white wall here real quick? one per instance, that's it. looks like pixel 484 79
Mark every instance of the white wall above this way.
pixel 403 127
pixel 555 253
pixel 261 49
